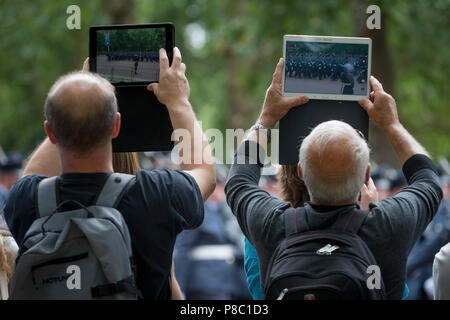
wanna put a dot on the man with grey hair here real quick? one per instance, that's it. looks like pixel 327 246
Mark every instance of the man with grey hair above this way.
pixel 334 163
pixel 81 121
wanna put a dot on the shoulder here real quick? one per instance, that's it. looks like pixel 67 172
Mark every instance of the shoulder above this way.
pixel 24 186
pixel 19 211
pixel 163 180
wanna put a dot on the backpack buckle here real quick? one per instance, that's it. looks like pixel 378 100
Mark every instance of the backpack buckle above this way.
pixel 105 290
pixel 327 250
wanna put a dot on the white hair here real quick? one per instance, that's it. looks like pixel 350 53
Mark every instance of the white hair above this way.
pixel 323 137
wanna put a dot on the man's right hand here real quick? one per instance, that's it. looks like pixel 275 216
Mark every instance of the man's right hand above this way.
pixel 381 107
pixel 173 87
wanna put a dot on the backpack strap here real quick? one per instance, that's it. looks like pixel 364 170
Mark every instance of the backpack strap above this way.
pixel 350 221
pixel 46 199
pixel 295 221
pixel 113 189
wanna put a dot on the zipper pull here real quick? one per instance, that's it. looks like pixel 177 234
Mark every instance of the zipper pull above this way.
pixel 282 294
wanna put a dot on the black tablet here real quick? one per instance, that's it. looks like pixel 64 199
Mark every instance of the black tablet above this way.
pixel 129 54
pixel 299 122
pixel 145 122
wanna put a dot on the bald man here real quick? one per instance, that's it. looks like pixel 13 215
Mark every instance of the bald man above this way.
pixel 334 164
pixel 81 120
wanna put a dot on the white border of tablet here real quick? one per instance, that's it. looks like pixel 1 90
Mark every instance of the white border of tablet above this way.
pixel 326 96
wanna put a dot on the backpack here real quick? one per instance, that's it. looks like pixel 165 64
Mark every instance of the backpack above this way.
pixel 327 264
pixel 82 253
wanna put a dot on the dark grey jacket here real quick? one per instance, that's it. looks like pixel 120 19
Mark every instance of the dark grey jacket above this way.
pixel 390 230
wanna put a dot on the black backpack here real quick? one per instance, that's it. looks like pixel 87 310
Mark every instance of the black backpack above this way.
pixel 326 264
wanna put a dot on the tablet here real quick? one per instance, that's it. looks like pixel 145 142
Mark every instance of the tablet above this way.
pixel 327 68
pixel 129 54
pixel 145 122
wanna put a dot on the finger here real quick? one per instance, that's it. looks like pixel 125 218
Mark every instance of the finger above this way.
pixel 364 190
pixel 176 58
pixel 372 96
pixel 375 84
pixel 163 60
pixel 152 87
pixel 183 67
pixel 278 72
pixel 366 104
pixel 371 185
pixel 86 65
pixel 296 101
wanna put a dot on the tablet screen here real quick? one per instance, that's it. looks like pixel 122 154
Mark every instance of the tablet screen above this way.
pixel 129 55
pixel 326 68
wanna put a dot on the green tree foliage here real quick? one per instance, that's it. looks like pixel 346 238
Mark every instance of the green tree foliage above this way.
pixel 230 49
pixel 132 40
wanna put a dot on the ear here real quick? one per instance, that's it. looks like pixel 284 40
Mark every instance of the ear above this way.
pixel 116 126
pixel 49 132
pixel 368 173
pixel 299 170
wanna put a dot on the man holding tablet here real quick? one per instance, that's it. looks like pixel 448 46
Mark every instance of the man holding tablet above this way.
pixel 334 163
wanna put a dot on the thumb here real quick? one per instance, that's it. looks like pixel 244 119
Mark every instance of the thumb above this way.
pixel 86 65
pixel 153 87
pixel 364 189
pixel 366 104
pixel 296 101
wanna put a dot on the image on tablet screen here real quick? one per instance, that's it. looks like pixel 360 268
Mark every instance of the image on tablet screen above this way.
pixel 129 55
pixel 326 68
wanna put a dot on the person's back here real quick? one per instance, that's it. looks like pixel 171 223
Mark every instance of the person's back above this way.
pixel 82 118
pixel 334 165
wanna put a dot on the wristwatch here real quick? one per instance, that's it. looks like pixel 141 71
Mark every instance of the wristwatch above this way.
pixel 259 126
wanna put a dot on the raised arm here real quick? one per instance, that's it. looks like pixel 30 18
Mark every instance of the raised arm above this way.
pixel 45 158
pixel 173 91
pixel 411 209
pixel 254 207
pixel 382 110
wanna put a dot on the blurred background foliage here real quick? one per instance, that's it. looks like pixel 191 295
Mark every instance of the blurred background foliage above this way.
pixel 231 49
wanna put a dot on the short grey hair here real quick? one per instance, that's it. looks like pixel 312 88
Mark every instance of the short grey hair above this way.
pixel 348 187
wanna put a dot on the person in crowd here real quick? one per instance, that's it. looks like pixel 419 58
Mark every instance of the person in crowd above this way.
pixel 209 260
pixel 10 171
pixel 398 182
pixel 334 164
pixel 429 262
pixel 293 190
pixel 441 264
pixel 8 253
pixel 81 120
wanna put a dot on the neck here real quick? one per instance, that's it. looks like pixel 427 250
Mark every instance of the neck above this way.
pixel 99 160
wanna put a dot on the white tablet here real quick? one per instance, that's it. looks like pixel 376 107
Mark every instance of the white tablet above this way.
pixel 327 68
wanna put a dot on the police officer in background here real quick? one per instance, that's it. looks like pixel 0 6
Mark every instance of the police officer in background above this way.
pixel 347 79
pixel 209 259
pixel 10 171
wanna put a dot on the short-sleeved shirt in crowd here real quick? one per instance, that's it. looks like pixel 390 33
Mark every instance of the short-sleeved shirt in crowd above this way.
pixel 157 205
